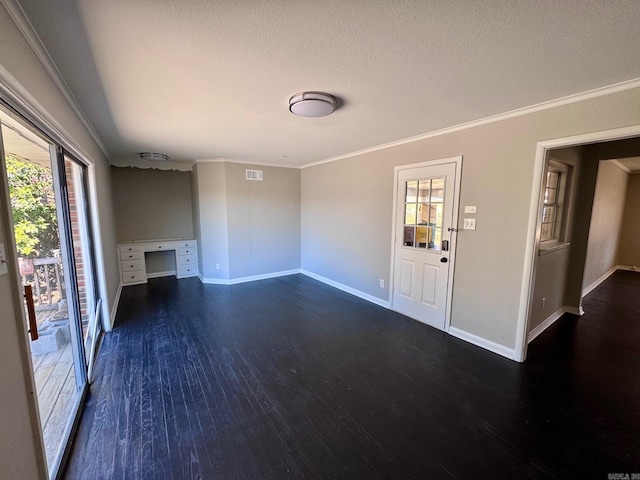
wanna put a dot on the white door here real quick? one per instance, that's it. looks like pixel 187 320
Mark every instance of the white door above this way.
pixel 423 247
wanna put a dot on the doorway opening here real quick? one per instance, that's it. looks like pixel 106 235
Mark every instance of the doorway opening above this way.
pixel 559 274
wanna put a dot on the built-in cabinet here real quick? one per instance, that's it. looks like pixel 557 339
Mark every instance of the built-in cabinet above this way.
pixel 133 268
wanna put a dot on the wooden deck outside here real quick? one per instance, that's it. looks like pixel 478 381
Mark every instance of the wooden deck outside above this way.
pixel 56 387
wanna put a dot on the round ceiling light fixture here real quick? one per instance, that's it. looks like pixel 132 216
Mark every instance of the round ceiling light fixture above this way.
pixel 312 104
pixel 154 157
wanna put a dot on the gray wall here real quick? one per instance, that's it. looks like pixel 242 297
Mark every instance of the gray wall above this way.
pixel 151 204
pixel 247 227
pixel 346 209
pixel 20 447
pixel 552 266
pixel 629 252
pixel 213 243
pixel 263 220
pixel 606 221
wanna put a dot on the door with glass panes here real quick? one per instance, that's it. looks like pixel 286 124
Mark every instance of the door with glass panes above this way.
pixel 423 242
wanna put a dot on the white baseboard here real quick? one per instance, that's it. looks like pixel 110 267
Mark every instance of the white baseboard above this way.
pixel 483 343
pixel 114 308
pixel 628 268
pixel 574 310
pixel 345 288
pixel 252 278
pixel 168 273
pixel 550 320
pixel 602 278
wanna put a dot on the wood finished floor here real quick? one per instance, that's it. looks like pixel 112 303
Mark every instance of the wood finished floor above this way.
pixel 289 378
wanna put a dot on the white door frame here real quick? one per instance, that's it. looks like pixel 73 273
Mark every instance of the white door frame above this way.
pixel 457 181
pixel 533 233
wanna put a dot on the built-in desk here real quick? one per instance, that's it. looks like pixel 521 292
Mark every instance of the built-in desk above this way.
pixel 133 268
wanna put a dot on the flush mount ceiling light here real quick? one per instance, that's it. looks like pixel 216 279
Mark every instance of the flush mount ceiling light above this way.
pixel 312 104
pixel 154 157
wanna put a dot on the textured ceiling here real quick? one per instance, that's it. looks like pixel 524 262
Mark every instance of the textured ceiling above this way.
pixel 201 79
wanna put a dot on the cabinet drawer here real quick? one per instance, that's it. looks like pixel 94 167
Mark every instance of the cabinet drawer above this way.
pixel 187 260
pixel 186 244
pixel 132 266
pixel 186 251
pixel 130 248
pixel 187 271
pixel 154 247
pixel 134 255
pixel 134 277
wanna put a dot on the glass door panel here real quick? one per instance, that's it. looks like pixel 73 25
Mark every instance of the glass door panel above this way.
pixel 76 180
pixel 48 278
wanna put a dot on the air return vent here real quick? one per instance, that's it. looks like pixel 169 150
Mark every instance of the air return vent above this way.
pixel 254 175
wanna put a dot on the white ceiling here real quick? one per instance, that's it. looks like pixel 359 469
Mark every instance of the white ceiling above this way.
pixel 200 79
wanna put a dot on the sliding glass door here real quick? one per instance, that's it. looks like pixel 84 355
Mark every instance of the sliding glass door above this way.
pixel 51 226
pixel 75 176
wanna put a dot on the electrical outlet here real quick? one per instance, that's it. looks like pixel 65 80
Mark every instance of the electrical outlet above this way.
pixel 469 224
pixel 3 260
pixel 217 266
pixel 381 283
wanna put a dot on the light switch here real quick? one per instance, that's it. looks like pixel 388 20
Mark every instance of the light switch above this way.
pixel 470 209
pixel 469 224
pixel 3 260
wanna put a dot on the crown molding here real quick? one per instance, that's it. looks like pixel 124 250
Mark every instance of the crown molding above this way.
pixel 26 28
pixel 244 162
pixel 578 97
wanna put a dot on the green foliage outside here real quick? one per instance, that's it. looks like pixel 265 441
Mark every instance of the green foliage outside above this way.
pixel 34 209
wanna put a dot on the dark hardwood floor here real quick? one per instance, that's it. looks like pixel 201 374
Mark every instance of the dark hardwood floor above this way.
pixel 289 378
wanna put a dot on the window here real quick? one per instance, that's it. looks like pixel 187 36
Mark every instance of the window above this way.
pixel 423 207
pixel 552 228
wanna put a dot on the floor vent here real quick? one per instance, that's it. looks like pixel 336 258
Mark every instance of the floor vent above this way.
pixel 254 175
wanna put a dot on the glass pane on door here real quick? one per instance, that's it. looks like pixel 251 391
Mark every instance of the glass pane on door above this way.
pixel 424 206
pixel 56 355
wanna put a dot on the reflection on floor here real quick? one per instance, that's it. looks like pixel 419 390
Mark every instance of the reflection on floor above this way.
pixel 290 378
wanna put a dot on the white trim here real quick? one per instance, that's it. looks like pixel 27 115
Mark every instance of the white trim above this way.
pixel 454 224
pixel 598 281
pixel 244 162
pixel 482 342
pixel 26 28
pixel 575 310
pixel 628 268
pixel 578 97
pixel 618 164
pixel 533 235
pixel 114 308
pixel 252 278
pixel 347 289
pixel 167 273
pixel 550 320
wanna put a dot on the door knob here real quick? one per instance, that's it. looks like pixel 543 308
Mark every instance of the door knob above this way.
pixel 444 260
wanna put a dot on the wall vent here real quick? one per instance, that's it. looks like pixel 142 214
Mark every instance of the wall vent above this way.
pixel 255 175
